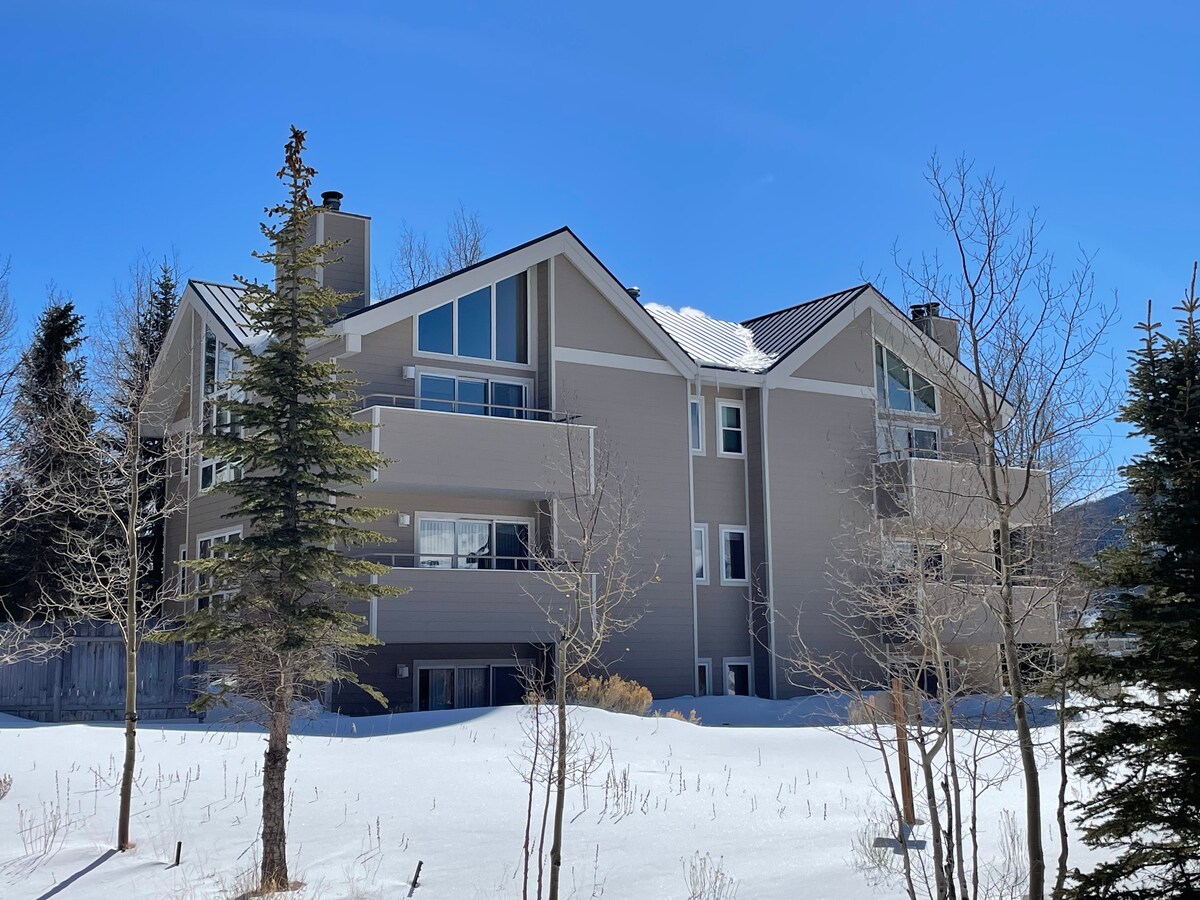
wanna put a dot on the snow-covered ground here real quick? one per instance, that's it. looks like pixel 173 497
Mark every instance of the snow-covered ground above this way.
pixel 782 807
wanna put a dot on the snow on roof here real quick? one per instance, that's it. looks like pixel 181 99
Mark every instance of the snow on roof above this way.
pixel 711 341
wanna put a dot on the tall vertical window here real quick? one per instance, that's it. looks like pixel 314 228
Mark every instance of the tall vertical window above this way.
pixel 696 424
pixel 700 553
pixel 730 430
pixel 901 388
pixel 490 323
pixel 219 365
pixel 733 555
pixel 210 546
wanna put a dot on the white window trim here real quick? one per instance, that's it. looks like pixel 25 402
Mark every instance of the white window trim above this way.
pixel 463 517
pixel 741 407
pixel 703 528
pixel 746 661
pixel 212 536
pixel 491 286
pixel 699 404
pixel 745 532
pixel 886 404
pixel 706 661
pixel 526 383
pixel 181 574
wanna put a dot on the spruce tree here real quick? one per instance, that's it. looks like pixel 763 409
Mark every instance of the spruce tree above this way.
pixel 283 626
pixel 1145 758
pixel 51 400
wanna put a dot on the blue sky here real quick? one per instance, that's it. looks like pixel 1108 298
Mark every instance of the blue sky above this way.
pixel 734 157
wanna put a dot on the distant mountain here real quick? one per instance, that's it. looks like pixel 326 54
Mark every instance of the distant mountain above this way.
pixel 1098 524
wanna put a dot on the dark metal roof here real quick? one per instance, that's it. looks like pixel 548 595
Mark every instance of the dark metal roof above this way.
pixel 781 332
pixel 224 301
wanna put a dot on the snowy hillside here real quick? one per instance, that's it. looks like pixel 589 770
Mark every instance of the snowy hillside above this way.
pixel 782 806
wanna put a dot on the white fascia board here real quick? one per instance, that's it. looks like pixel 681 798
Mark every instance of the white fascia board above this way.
pixel 630 308
pixel 730 377
pixel 388 313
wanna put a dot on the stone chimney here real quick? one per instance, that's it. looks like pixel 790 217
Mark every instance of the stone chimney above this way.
pixel 944 331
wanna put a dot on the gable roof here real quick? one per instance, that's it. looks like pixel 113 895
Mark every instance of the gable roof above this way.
pixel 224 301
pixel 711 342
pixel 779 333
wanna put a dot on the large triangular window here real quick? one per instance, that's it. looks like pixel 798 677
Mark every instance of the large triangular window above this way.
pixel 900 387
pixel 490 323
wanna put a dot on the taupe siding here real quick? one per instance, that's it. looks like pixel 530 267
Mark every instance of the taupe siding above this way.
pixel 586 320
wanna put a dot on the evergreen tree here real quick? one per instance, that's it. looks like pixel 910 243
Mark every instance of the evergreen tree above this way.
pixel 283 626
pixel 51 400
pixel 1145 759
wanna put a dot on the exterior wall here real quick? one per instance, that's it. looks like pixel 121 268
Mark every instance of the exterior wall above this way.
pixel 351 274
pixel 720 498
pixel 584 319
pixel 817 465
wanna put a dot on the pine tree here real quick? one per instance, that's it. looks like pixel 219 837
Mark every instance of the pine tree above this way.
pixel 51 399
pixel 1145 759
pixel 284 626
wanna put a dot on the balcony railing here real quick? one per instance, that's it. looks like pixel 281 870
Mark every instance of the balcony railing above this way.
pixel 465 407
pixel 461 561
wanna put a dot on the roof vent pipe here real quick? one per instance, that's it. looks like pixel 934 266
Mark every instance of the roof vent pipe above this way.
pixel 634 291
pixel 331 200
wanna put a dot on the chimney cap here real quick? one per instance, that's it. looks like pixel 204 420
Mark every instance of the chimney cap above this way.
pixel 633 291
pixel 332 199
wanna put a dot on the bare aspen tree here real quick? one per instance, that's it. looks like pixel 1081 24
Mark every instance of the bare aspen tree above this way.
pixel 123 507
pixel 415 262
pixel 594 575
pixel 1027 406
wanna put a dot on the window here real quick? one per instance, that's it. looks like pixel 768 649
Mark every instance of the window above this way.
pixel 700 553
pixel 1023 552
pixel 473 396
pixel 899 387
pixel 696 424
pixel 490 323
pixel 215 417
pixel 729 428
pixel 468 684
pixel 183 572
pixel 213 546
pixel 468 543
pixel 703 678
pixel 737 677
pixel 733 555
pixel 901 441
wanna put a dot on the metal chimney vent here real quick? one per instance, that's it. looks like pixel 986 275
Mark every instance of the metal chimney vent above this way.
pixel 331 200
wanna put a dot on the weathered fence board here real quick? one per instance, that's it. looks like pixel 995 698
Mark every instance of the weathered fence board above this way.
pixel 86 682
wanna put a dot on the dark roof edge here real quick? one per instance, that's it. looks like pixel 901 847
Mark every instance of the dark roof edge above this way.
pixel 855 293
pixel 216 315
pixel 856 288
pixel 457 272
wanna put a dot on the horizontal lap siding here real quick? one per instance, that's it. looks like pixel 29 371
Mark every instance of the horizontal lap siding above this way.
pixel 818 460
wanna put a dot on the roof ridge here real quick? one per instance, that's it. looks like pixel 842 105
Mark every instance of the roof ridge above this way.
pixel 857 289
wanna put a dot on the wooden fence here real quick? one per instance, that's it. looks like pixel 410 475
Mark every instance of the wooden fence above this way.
pixel 86 682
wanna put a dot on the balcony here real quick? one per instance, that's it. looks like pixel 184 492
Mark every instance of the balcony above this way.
pixel 950 493
pixel 966 613
pixel 476 448
pixel 497 602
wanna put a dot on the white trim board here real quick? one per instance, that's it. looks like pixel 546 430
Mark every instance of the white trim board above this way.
pixel 582 357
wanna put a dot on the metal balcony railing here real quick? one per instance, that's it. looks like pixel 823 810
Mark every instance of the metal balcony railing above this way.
pixel 465 407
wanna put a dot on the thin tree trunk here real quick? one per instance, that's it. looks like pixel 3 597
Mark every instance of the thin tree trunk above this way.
pixel 130 631
pixel 274 835
pixel 1064 849
pixel 560 776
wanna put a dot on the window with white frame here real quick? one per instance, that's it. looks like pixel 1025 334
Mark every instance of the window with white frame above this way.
pixel 182 584
pixel 473 394
pixel 734 569
pixel 219 365
pixel 490 323
pixel 908 559
pixel 737 676
pixel 703 677
pixel 700 553
pixel 730 428
pixel 450 542
pixel 900 387
pixel 214 545
pixel 696 424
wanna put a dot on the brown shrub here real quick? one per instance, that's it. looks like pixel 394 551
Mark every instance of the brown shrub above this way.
pixel 611 692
